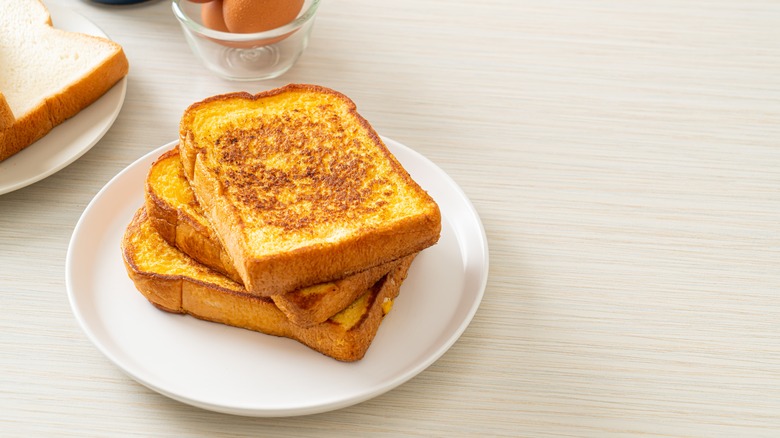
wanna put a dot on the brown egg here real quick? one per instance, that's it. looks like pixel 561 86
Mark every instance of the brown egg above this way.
pixel 248 16
pixel 211 15
pixel 200 1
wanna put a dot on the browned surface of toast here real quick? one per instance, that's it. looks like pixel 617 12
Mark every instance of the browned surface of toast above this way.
pixel 174 212
pixel 299 188
pixel 176 283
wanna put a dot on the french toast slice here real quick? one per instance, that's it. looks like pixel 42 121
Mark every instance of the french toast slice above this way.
pixel 299 188
pixel 176 283
pixel 175 214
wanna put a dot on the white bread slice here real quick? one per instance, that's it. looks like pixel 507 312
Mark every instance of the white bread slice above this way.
pixel 47 75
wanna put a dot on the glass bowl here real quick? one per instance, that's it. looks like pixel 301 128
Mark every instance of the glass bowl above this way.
pixel 246 56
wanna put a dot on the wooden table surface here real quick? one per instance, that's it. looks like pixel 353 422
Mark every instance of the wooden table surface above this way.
pixel 624 157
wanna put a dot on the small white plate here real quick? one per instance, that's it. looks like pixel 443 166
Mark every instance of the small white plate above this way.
pixel 241 372
pixel 71 139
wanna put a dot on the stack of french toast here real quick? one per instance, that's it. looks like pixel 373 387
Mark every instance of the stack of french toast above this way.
pixel 281 212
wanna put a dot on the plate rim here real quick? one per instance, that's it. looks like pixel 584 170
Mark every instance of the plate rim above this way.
pixel 244 409
pixel 56 13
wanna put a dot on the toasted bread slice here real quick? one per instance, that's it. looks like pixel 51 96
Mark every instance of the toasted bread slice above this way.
pixel 48 75
pixel 175 214
pixel 176 283
pixel 299 188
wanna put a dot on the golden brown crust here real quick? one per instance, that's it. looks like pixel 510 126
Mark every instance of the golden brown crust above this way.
pixel 273 92
pixel 6 115
pixel 344 337
pixel 335 174
pixel 24 131
pixel 55 109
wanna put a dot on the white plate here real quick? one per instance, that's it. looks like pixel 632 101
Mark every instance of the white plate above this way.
pixel 238 371
pixel 71 139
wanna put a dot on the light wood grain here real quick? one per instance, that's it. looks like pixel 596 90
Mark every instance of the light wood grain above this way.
pixel 624 157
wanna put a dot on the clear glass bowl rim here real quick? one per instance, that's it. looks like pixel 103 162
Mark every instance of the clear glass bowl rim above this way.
pixel 200 29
